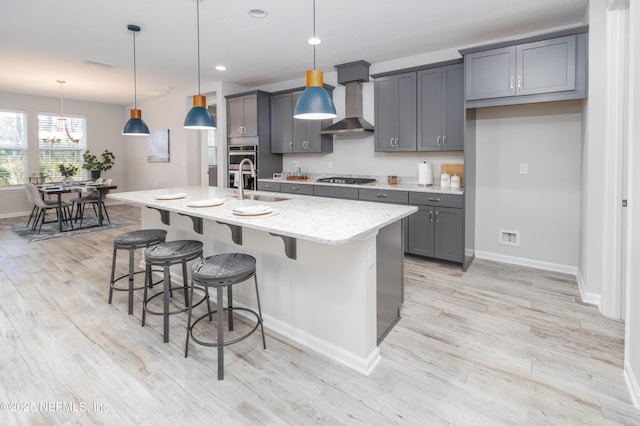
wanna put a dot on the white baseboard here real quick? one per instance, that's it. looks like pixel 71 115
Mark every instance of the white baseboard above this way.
pixel 14 214
pixel 547 266
pixel 632 385
pixel 590 298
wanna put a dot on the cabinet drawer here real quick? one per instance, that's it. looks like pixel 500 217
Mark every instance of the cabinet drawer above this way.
pixel 296 188
pixel 335 192
pixel 435 199
pixel 268 186
pixel 382 196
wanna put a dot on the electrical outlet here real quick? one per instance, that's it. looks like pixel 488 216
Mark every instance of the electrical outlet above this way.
pixel 524 169
pixel 509 237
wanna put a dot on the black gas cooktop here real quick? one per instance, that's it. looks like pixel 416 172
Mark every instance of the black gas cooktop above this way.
pixel 347 180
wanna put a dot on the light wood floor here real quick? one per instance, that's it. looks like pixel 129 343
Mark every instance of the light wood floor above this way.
pixel 499 344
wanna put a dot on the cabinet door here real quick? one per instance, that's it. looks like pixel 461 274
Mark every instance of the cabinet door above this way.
pixel 384 92
pixel 448 240
pixel 430 110
pixel 421 231
pixel 250 115
pixel 490 74
pixel 281 123
pixel 296 188
pixel 546 66
pixel 406 112
pixel 300 129
pixel 235 110
pixel 453 108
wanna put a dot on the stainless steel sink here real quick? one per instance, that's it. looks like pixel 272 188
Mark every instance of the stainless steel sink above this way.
pixel 265 198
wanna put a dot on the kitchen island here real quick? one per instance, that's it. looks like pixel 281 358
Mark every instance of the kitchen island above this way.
pixel 330 271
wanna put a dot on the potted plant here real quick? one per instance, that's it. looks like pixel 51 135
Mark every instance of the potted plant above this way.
pixel 96 166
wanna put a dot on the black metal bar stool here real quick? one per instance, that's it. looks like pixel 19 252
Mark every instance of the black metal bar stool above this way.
pixel 220 271
pixel 131 241
pixel 165 255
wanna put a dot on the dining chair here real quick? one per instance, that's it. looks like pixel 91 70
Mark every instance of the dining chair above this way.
pixel 42 206
pixel 94 200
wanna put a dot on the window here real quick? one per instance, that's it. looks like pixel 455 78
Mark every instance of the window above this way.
pixel 57 148
pixel 13 147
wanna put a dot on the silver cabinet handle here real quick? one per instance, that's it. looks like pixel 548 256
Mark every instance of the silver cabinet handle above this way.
pixel 438 141
pixel 437 214
pixel 391 141
pixel 444 141
pixel 381 195
pixel 267 186
pixel 511 84
pixel 396 142
pixel 437 200
pixel 295 188
pixel 519 83
pixel 430 216
pixel 291 146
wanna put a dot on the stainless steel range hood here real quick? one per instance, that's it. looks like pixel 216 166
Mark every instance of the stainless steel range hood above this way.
pixel 352 75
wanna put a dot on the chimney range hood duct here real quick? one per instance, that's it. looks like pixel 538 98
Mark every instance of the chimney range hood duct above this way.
pixel 352 75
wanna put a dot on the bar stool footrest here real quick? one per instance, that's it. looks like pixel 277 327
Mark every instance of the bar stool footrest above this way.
pixel 113 284
pixel 177 311
pixel 228 342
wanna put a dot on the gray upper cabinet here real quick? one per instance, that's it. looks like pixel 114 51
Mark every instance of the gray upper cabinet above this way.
pixel 546 66
pixel 441 109
pixel 289 135
pixel 533 71
pixel 490 74
pixel 395 112
pixel 243 116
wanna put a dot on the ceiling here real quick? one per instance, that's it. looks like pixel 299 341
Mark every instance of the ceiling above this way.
pixel 44 41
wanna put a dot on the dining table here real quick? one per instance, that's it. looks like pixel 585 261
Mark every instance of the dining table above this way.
pixel 80 187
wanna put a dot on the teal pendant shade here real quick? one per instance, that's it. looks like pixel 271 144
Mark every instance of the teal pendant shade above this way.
pixel 315 103
pixel 199 118
pixel 135 127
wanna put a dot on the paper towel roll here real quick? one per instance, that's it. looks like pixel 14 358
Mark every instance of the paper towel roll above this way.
pixel 425 174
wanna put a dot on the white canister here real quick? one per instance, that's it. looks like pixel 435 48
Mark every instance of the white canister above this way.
pixel 455 181
pixel 445 180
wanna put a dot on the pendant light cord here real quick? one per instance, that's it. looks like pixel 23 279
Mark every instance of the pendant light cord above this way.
pixel 135 82
pixel 198 29
pixel 61 101
pixel 314 34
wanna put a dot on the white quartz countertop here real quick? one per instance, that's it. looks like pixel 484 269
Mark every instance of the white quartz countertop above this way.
pixel 317 219
pixel 377 185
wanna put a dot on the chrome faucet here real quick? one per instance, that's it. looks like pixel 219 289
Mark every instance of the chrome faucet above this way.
pixel 241 183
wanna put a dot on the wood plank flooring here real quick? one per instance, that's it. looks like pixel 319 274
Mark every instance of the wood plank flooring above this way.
pixel 498 345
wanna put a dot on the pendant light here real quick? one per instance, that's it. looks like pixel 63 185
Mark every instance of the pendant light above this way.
pixel 199 117
pixel 315 103
pixel 135 126
pixel 62 130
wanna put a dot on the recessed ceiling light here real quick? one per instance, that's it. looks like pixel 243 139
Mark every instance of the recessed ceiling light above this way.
pixel 221 68
pixel 257 13
pixel 314 41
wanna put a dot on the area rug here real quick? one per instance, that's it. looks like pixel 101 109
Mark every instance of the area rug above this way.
pixel 50 230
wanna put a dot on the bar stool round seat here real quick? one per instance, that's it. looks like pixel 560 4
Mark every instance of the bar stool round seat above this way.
pixel 165 255
pixel 223 271
pixel 132 241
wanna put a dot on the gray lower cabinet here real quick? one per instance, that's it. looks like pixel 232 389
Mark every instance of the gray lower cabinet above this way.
pixel 395 112
pixel 441 109
pixel 436 229
pixel 296 188
pixel 344 192
pixel 268 186
pixel 291 135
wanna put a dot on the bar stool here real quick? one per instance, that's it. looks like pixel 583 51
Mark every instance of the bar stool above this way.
pixel 131 241
pixel 165 255
pixel 220 271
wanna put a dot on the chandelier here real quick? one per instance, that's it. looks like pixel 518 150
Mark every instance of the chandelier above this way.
pixel 62 131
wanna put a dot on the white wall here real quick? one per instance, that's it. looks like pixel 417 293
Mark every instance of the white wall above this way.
pixel 632 332
pixel 544 204
pixel 104 128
